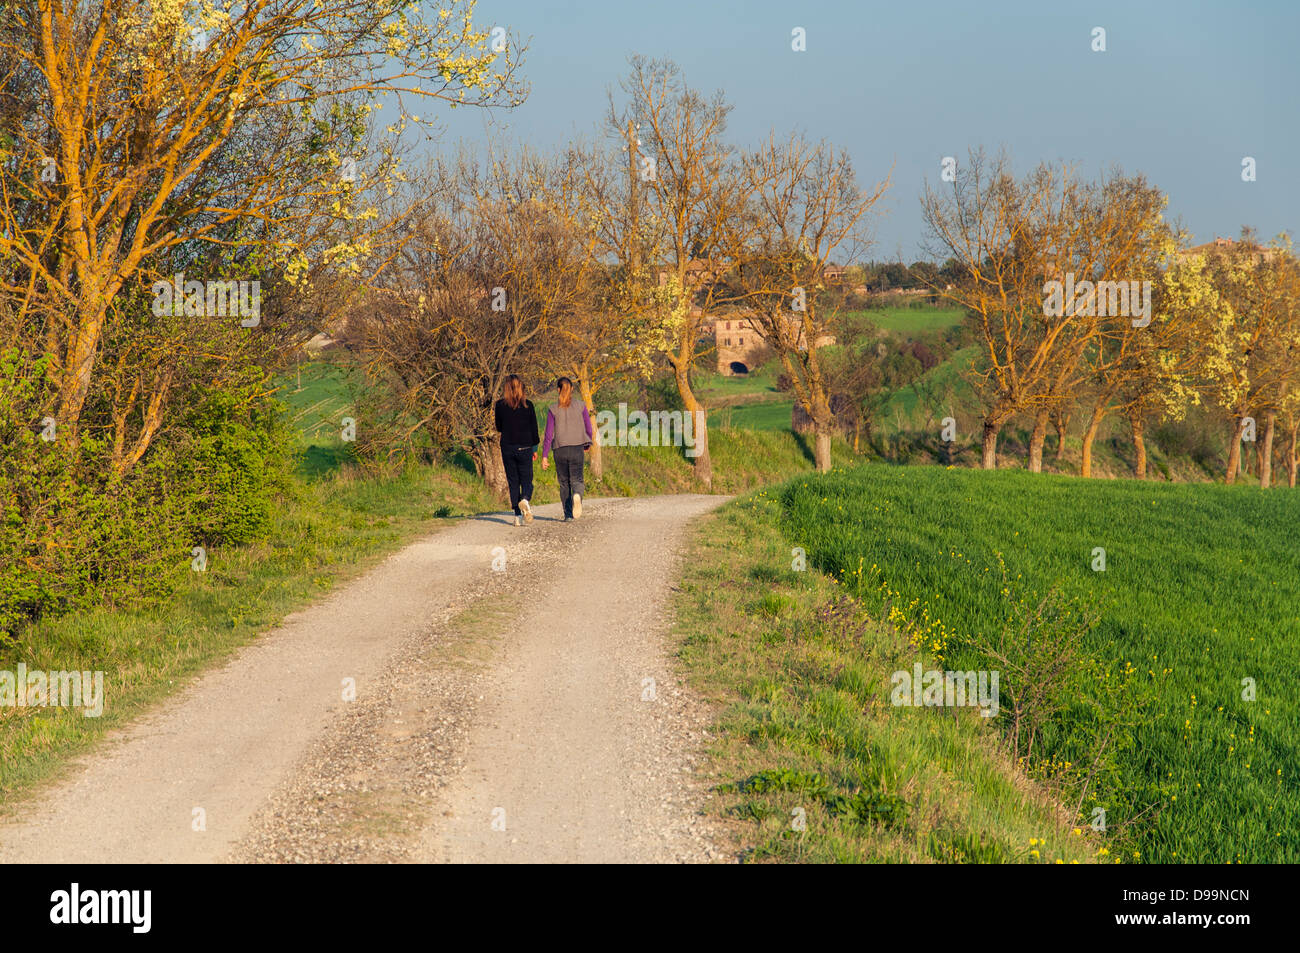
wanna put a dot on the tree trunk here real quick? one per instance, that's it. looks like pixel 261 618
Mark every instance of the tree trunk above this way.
pixel 597 462
pixel 989 460
pixel 487 458
pixel 1089 435
pixel 1059 425
pixel 1138 426
pixel 1266 451
pixel 822 448
pixel 1291 458
pixel 1036 440
pixel 77 369
pixel 691 405
pixel 153 418
pixel 1234 451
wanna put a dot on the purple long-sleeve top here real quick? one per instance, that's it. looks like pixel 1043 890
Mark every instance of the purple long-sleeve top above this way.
pixel 550 428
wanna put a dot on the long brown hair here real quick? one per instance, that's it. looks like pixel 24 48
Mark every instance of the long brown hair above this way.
pixel 565 387
pixel 514 391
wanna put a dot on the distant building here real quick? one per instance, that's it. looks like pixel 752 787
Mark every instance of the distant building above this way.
pixel 1224 245
pixel 739 342
pixel 1218 243
pixel 741 345
pixel 698 272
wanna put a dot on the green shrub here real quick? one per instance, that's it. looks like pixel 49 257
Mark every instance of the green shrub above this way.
pixel 73 532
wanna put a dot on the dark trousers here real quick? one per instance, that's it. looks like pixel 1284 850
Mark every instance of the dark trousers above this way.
pixel 568 471
pixel 518 462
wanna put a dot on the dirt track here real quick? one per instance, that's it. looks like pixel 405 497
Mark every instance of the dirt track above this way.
pixel 545 723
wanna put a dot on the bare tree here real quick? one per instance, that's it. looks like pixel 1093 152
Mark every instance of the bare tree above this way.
pixel 805 207
pixel 1053 280
pixel 689 198
pixel 493 261
pixel 1124 359
pixel 997 230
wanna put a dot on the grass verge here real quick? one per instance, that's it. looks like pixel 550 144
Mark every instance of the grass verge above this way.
pixel 325 532
pixel 806 738
pixel 333 524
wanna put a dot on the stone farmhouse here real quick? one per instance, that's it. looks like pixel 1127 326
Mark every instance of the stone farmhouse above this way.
pixel 738 339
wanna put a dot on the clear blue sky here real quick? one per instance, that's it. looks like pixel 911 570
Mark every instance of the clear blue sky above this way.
pixel 1183 92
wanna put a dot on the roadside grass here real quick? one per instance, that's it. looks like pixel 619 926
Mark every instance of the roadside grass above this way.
pixel 800 675
pixel 1197 625
pixel 334 523
pixel 326 532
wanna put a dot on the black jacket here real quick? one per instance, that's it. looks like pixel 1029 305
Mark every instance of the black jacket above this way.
pixel 517 425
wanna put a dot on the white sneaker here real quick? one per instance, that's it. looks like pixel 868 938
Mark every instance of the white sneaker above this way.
pixel 577 505
pixel 518 521
pixel 527 510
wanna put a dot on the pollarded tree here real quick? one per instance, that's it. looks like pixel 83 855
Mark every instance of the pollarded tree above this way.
pixel 1153 373
pixel 1286 398
pixel 1289 414
pixel 691 194
pixel 621 329
pixel 1135 357
pixel 805 208
pixel 1117 239
pixel 628 322
pixel 1008 237
pixel 1279 362
pixel 1054 271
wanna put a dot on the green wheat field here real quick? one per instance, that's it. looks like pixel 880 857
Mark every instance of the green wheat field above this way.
pixel 1189 660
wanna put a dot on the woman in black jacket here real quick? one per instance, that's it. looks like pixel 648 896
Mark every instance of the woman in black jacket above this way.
pixel 516 422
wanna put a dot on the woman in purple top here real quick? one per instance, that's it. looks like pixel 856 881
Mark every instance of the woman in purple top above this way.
pixel 568 430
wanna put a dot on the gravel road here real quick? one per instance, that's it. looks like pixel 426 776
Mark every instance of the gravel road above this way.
pixel 516 701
